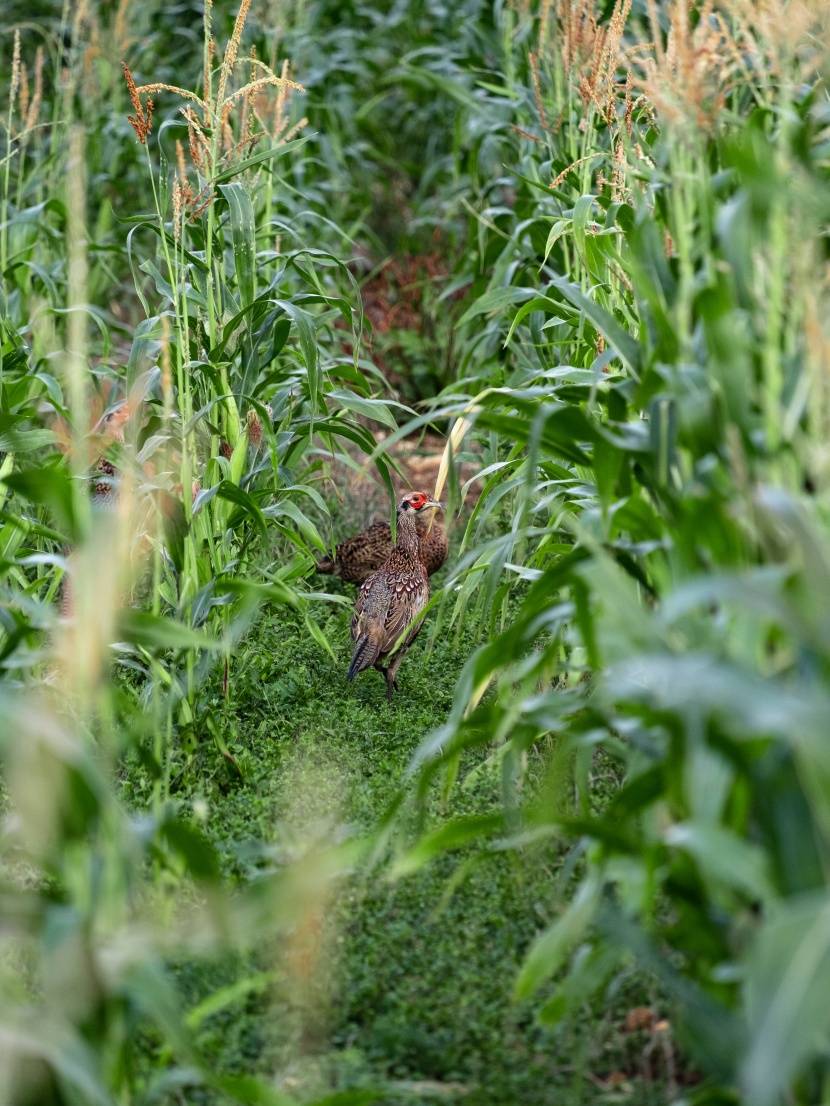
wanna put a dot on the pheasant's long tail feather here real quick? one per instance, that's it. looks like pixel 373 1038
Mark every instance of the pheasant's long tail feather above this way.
pixel 366 652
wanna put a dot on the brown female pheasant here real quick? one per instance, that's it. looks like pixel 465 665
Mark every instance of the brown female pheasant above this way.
pixel 386 617
pixel 358 557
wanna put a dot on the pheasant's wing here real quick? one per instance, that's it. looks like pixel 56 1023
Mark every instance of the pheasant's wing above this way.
pixel 360 602
pixel 409 595
pixel 372 605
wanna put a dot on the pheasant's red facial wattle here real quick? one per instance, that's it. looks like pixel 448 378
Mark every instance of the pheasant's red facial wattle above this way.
pixel 417 501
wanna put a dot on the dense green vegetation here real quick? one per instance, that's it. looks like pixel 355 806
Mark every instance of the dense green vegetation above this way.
pixel 583 857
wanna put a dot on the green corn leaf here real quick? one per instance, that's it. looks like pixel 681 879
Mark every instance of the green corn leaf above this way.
pixel 259 159
pixel 25 441
pixel 156 632
pixel 286 509
pixel 548 951
pixel 494 301
pixel 319 637
pixel 194 848
pixel 228 996
pixel 788 982
pixel 556 231
pixel 65 1052
pixel 243 230
pixel 372 408
pixel 307 333
pixel 48 484
pixel 460 832
pixel 724 858
pixel 163 287
pixel 626 346
pixel 234 494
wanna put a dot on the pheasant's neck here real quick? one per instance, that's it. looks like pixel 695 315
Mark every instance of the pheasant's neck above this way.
pixel 407 537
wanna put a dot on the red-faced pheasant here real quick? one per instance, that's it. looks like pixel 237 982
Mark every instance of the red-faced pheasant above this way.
pixel 387 614
pixel 358 557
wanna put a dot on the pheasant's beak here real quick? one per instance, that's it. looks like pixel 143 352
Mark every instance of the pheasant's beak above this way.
pixel 436 506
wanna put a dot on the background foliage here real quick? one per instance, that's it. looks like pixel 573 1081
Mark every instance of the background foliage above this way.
pixel 593 242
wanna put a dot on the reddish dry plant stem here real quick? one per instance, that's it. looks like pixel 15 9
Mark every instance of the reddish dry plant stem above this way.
pixel 142 122
pixel 537 91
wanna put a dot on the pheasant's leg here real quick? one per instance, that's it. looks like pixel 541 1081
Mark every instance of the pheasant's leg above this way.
pixel 394 683
pixel 392 672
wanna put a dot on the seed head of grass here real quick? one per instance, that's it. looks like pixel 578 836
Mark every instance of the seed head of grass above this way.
pixel 31 100
pixel 687 78
pixel 15 79
pixel 24 91
pixel 574 165
pixel 537 90
pixel 232 49
pixel 142 122
pixel 197 139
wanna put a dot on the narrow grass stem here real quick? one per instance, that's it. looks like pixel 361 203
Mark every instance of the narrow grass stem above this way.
pixel 777 274
pixel 686 185
pixel 4 201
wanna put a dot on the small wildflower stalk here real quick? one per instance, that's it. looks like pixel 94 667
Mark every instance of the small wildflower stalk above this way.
pixel 14 88
pixel 30 105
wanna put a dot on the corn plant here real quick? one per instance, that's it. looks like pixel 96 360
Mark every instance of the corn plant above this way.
pixel 154 494
pixel 643 370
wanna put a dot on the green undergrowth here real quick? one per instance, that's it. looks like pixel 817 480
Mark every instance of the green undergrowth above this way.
pixel 406 989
